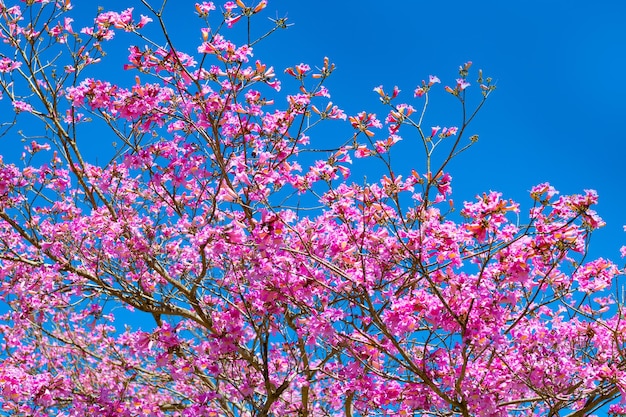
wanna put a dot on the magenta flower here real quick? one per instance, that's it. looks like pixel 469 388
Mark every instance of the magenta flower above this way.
pixel 462 84
pixel 204 8
pixel 20 106
pixel 230 6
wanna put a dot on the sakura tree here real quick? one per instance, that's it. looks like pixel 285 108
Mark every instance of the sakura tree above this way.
pixel 218 260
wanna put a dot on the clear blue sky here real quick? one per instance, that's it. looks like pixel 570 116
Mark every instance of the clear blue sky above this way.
pixel 557 114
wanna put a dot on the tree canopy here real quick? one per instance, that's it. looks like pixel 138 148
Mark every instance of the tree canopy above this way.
pixel 213 257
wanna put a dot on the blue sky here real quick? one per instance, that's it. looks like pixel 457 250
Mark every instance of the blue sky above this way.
pixel 558 110
pixel 559 67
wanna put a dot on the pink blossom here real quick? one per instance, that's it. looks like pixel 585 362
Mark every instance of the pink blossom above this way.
pixel 19 106
pixel 204 8
pixel 230 6
pixel 232 20
pixel 143 21
pixel 448 131
pixel 67 24
pixel 462 83
pixel 7 65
